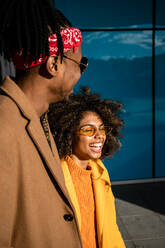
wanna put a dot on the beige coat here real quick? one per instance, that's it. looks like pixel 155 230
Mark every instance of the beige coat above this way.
pixel 35 208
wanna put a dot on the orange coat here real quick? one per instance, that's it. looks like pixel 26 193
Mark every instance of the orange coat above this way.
pixel 35 207
pixel 108 233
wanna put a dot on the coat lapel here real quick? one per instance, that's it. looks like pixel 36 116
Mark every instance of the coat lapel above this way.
pixel 51 157
pixel 36 132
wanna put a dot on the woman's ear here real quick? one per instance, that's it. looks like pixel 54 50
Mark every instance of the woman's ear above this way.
pixel 52 65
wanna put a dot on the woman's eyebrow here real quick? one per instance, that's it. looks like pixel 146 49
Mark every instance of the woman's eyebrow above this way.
pixel 91 125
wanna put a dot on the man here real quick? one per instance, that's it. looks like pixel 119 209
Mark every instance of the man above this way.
pixel 35 207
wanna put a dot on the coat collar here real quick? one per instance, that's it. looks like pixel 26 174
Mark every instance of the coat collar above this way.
pixel 99 171
pixel 36 132
pixel 20 99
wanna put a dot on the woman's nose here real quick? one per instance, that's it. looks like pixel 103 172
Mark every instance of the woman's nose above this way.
pixel 99 133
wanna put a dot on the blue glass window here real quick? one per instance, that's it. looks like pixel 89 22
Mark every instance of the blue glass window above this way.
pixel 160 103
pixel 118 38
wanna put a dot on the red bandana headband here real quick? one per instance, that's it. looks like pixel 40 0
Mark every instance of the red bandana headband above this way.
pixel 71 37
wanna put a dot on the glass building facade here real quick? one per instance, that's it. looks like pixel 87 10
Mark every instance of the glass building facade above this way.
pixel 125 44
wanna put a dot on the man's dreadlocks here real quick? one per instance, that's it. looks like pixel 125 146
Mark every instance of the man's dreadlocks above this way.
pixel 27 24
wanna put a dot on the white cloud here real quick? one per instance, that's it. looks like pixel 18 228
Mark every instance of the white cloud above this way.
pixel 160 40
pixel 93 36
pixel 142 39
pixel 106 57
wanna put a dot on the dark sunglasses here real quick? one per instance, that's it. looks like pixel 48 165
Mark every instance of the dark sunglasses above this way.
pixel 83 64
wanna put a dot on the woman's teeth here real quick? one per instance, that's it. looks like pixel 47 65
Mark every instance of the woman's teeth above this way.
pixel 96 147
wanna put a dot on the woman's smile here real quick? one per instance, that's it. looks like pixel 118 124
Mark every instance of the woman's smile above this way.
pixel 96 147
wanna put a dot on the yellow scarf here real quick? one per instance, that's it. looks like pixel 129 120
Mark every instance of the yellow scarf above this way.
pixel 107 230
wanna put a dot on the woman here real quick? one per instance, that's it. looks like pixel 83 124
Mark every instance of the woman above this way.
pixel 86 129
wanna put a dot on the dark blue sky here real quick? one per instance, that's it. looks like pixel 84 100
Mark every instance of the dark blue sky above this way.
pixel 110 13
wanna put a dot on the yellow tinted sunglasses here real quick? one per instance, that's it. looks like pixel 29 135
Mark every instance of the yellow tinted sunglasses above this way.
pixel 90 130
